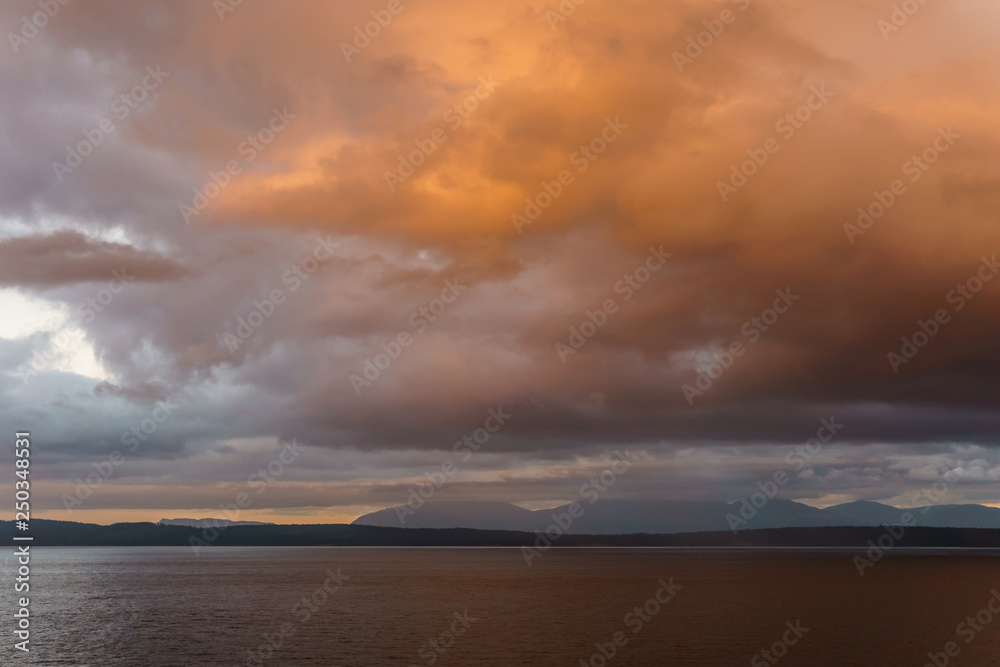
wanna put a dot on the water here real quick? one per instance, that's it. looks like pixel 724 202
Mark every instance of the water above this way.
pixel 165 606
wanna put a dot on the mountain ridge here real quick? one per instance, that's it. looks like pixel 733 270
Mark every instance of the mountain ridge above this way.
pixel 210 523
pixel 619 517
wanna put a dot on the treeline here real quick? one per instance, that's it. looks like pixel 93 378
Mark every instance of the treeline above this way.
pixel 68 533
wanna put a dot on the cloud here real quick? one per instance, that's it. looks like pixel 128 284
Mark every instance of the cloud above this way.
pixel 69 257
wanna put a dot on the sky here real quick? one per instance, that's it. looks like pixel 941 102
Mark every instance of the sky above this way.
pixel 294 253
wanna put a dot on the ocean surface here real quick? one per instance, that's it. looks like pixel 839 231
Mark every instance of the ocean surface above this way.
pixel 448 606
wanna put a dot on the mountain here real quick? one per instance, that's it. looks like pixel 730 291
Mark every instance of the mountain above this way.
pixel 866 513
pixel 454 514
pixel 958 516
pixel 210 523
pixel 604 517
pixel 617 517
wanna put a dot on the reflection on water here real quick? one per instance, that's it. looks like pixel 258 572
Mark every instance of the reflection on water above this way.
pixel 642 607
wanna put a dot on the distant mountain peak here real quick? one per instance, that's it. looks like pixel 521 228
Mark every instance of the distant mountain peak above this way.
pixel 863 503
pixel 210 523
